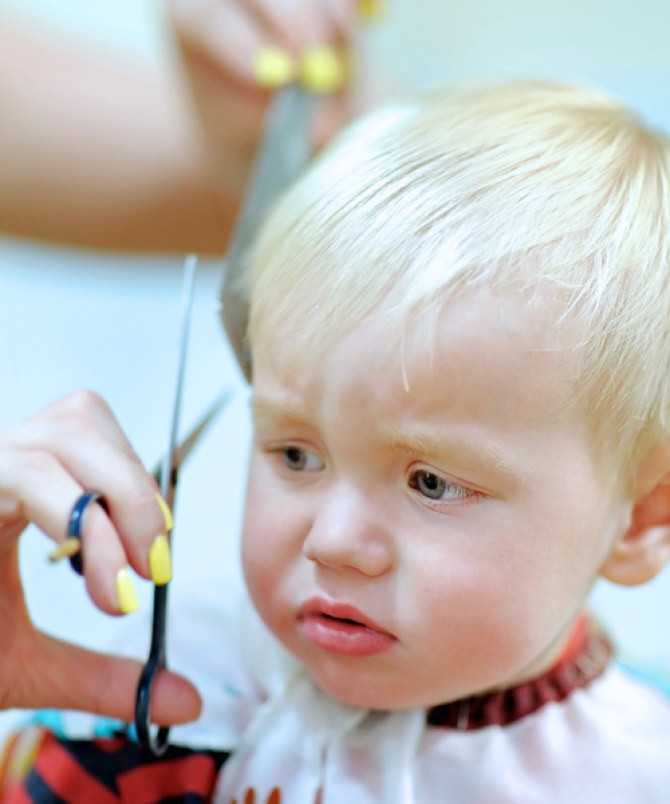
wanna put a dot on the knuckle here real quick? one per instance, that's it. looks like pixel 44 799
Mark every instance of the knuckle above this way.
pixel 33 465
pixel 20 470
pixel 84 404
pixel 146 516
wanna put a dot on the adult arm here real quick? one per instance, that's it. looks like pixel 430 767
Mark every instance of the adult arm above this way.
pixel 106 154
pixel 102 153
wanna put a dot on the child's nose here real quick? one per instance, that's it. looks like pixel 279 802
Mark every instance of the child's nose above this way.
pixel 345 534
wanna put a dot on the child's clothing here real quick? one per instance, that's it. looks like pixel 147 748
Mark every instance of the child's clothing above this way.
pixel 584 732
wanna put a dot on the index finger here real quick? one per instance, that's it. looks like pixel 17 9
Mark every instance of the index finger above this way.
pixel 298 24
pixel 219 35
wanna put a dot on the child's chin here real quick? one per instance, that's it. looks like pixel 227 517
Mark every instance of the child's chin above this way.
pixel 350 690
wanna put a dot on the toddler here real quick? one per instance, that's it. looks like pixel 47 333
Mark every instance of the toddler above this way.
pixel 460 341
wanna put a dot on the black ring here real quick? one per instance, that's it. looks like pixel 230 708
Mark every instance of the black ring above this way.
pixel 75 523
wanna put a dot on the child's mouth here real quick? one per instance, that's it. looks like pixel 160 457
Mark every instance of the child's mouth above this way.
pixel 341 629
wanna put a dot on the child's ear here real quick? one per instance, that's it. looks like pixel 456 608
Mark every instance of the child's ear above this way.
pixel 643 549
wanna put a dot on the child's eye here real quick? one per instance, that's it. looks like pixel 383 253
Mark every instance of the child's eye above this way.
pixel 298 459
pixel 434 487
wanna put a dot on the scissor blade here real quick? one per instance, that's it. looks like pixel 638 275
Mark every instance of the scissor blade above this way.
pixel 188 282
pixel 283 152
pixel 192 438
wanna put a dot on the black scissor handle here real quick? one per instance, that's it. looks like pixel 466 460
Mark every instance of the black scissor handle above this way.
pixel 155 741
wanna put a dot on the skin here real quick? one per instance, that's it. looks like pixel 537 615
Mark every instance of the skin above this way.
pixel 218 41
pixel 126 165
pixel 45 464
pixel 478 589
pixel 149 160
pixel 466 512
pixel 123 165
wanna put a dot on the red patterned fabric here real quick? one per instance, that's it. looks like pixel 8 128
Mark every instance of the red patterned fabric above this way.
pixel 105 772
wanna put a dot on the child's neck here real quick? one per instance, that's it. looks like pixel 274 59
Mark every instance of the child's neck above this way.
pixel 584 657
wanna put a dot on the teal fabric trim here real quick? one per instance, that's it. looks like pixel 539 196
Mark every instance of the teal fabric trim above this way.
pixel 108 727
pixel 105 727
pixel 51 719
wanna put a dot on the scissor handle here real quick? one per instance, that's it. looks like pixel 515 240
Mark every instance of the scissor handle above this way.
pixel 156 742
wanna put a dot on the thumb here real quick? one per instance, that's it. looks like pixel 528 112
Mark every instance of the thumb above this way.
pixel 64 676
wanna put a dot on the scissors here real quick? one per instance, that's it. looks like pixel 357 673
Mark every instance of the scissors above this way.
pixel 166 474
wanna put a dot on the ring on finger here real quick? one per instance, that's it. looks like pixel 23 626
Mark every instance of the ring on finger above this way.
pixel 76 521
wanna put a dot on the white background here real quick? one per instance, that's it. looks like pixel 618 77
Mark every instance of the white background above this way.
pixel 72 319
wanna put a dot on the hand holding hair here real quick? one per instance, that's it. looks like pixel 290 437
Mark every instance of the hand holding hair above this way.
pixel 236 52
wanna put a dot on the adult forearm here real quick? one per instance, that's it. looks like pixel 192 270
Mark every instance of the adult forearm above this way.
pixel 102 154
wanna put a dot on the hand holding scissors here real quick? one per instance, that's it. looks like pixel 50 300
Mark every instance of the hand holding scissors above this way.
pixel 47 462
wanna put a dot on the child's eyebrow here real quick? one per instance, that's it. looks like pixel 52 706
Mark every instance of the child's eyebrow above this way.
pixel 263 409
pixel 472 452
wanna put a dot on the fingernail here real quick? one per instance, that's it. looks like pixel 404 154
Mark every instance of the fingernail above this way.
pixel 370 9
pixel 160 561
pixel 66 549
pixel 273 67
pixel 165 509
pixel 125 592
pixel 322 69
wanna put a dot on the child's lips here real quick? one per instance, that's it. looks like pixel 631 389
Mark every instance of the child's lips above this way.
pixel 340 628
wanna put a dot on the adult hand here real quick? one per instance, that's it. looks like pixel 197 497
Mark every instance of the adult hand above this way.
pixel 46 462
pixel 236 51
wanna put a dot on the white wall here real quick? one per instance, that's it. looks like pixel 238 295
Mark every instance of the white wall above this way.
pixel 72 319
pixel 617 45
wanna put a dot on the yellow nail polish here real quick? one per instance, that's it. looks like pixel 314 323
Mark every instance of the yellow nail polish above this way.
pixel 322 69
pixel 160 561
pixel 274 67
pixel 66 549
pixel 125 592
pixel 371 9
pixel 169 521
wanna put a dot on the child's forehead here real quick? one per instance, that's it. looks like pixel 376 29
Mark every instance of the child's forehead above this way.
pixel 535 313
pixel 475 344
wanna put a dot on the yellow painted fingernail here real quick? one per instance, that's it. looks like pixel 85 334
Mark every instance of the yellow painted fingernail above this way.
pixel 160 561
pixel 165 509
pixel 66 549
pixel 274 67
pixel 322 69
pixel 370 9
pixel 125 591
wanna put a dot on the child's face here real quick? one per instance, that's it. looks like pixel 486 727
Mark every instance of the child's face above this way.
pixel 454 529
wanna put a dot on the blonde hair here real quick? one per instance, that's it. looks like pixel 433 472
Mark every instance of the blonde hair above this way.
pixel 546 188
